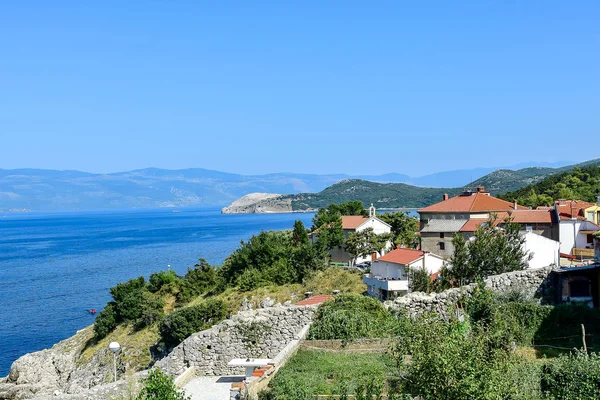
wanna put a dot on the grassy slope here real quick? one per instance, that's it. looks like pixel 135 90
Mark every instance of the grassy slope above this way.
pixel 136 344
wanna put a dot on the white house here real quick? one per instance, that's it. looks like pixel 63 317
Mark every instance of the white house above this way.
pixel 575 232
pixel 389 274
pixel 358 223
pixel 545 251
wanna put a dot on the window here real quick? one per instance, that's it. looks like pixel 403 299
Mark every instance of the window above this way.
pixel 441 235
pixel 580 288
pixel 590 215
pixel 590 238
pixel 529 228
pixel 442 246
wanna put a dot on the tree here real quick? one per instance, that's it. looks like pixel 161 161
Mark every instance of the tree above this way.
pixel 159 385
pixel 365 242
pixel 419 280
pixel 404 228
pixel 198 280
pixel 299 234
pixel 494 250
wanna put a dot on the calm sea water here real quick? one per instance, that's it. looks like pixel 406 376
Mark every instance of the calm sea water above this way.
pixel 54 267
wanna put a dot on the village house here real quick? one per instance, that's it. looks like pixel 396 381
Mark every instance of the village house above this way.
pixel 576 231
pixel 440 222
pixel 389 277
pixel 358 223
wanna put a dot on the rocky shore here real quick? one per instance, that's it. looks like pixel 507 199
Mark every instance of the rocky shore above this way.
pixel 260 203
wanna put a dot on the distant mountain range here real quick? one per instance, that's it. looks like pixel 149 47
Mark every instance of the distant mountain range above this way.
pixel 395 195
pixel 38 189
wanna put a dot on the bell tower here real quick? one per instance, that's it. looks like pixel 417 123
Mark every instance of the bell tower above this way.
pixel 372 211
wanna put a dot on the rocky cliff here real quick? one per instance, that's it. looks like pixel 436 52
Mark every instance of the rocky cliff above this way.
pixel 259 203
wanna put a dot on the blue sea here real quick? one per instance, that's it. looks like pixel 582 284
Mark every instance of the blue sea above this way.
pixel 54 267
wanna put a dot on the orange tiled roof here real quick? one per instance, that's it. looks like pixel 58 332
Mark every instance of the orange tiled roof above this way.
pixel 565 208
pixel 402 256
pixel 311 301
pixel 518 216
pixel 353 221
pixel 472 224
pixel 471 202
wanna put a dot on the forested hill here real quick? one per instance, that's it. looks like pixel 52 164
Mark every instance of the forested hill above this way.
pixel 580 184
pixel 382 195
pixel 399 195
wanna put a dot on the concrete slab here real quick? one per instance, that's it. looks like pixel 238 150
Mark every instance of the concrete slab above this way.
pixel 211 387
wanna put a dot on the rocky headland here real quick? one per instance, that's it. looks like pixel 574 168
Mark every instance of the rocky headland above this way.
pixel 260 203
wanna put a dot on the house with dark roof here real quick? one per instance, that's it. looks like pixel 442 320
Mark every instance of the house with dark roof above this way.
pixel 389 276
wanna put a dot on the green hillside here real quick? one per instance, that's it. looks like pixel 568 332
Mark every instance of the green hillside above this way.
pixel 398 195
pixel 382 195
pixel 580 183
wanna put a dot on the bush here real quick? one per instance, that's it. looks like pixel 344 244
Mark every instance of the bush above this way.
pixel 348 317
pixel 152 310
pixel 250 280
pixel 162 279
pixel 106 321
pixel 184 322
pixel 159 385
pixel 197 281
pixel 574 376
pixel 123 290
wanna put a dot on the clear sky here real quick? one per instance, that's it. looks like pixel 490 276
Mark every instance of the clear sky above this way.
pixel 307 86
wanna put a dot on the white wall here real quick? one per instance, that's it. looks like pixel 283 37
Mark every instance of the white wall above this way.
pixel 568 233
pixel 544 250
pixel 388 270
pixel 432 263
pixel 378 226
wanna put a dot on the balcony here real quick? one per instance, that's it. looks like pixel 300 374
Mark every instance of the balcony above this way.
pixel 585 253
pixel 390 285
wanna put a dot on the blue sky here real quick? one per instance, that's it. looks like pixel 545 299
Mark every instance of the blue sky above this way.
pixel 315 87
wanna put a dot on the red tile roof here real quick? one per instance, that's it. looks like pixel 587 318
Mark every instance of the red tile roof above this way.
pixel 402 256
pixel 565 208
pixel 472 224
pixel 471 202
pixel 517 216
pixel 318 299
pixel 353 221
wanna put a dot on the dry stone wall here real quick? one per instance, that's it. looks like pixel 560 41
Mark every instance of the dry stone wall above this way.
pixel 536 283
pixel 260 333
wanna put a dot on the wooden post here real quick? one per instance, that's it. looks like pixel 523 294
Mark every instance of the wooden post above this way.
pixel 583 336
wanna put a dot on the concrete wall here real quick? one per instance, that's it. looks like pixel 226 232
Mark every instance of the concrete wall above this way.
pixel 212 349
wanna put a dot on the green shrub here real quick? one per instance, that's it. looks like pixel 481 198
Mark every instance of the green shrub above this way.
pixel 348 317
pixel 106 321
pixel 152 310
pixel 574 376
pixel 161 280
pixel 122 290
pixel 184 322
pixel 251 279
pixel 159 385
pixel 197 281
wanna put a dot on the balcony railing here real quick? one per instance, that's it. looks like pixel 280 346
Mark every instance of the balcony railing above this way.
pixel 580 252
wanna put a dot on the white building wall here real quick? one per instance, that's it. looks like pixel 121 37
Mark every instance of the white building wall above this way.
pixel 388 270
pixel 378 226
pixel 545 251
pixel 432 263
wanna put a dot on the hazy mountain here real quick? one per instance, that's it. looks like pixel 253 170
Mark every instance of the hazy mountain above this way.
pixel 38 189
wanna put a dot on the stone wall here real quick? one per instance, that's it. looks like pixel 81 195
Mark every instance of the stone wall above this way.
pixel 212 349
pixel 537 283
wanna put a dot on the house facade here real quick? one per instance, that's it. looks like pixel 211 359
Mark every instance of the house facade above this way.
pixel 358 223
pixel 460 214
pixel 576 231
pixel 389 274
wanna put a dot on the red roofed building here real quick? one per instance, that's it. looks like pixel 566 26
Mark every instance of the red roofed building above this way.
pixel 576 232
pixel 441 221
pixel 389 274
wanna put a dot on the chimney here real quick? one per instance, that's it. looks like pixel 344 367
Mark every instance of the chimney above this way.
pixel 574 212
pixel 515 205
pixel 445 197
pixel 480 189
